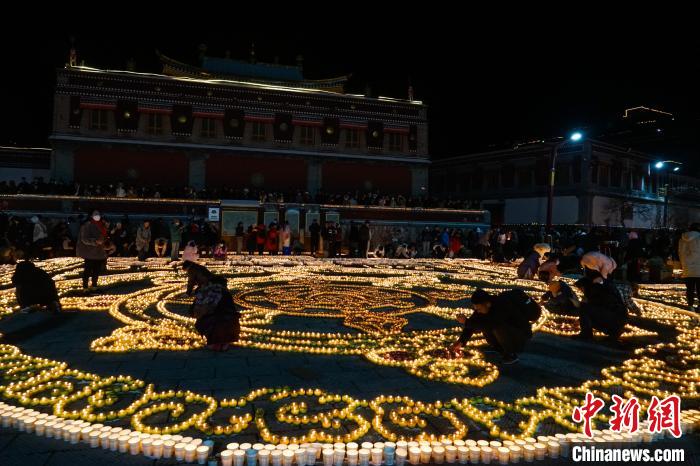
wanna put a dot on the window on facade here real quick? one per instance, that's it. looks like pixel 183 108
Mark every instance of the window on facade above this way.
pixel 208 128
pixel 306 135
pixel 604 175
pixel 98 120
pixel 616 175
pixel 154 124
pixel 258 131
pixel 352 138
pixel 395 142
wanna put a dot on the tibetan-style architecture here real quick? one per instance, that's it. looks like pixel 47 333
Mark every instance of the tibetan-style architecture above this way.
pixel 237 124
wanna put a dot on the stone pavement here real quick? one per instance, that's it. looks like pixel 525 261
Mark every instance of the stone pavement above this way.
pixel 549 360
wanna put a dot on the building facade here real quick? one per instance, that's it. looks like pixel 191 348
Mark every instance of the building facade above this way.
pixel 596 183
pixel 234 123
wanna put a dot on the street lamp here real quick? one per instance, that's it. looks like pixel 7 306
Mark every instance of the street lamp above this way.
pixel 659 165
pixel 575 137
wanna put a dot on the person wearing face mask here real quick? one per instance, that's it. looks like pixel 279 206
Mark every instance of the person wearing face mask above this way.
pixel 91 247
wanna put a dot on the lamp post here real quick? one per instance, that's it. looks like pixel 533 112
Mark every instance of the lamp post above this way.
pixel 663 165
pixel 575 137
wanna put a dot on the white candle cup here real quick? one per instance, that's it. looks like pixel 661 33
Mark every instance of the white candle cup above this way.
pixel 176 438
pixel 463 453
pixel 179 449
pixel 540 451
pixel 29 424
pixel 66 432
pixel 482 443
pixel 529 453
pixel 245 446
pixel 401 454
pixel 378 445
pixel 363 457
pixel 300 456
pixel 438 454
pixel 295 446
pixel 287 457
pixel 352 446
pixel 352 457
pixel 40 427
pixel 450 454
pixel 339 446
pixel 425 454
pixel 376 454
pixel 168 448
pixel 74 435
pixel 281 446
pixel 158 446
pixel 414 455
pixel 188 440
pixel 232 446
pixel 147 447
pixel 516 452
pixel 338 457
pixel 196 442
pixel 495 445
pixel 113 440
pixel 264 457
pixel 367 445
pixel 134 445
pixel 202 454
pixel 327 457
pixel 310 455
pixel 190 453
pixel 276 457
pixel 486 454
pixel 104 440
pixel 226 457
pixel 553 449
pixel 503 454
pixel 94 439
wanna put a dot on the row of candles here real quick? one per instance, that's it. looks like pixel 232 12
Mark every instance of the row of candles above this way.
pixel 389 453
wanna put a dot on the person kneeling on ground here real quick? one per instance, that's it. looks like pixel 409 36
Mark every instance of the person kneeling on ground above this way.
pixel 560 298
pixel 216 313
pixel 34 287
pixel 602 308
pixel 505 327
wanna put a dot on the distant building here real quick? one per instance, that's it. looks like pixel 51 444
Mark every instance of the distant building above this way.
pixel 596 183
pixel 234 123
pixel 25 162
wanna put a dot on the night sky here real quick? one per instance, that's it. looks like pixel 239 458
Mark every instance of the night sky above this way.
pixel 482 87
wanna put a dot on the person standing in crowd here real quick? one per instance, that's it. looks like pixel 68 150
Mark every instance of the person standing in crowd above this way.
pixel 39 237
pixel 338 240
pixel 272 242
pixel 286 239
pixel 220 251
pixel 365 235
pixel 315 233
pixel 483 245
pixel 354 240
pixel 240 233
pixel 176 230
pixel 143 240
pixel 505 327
pixel 261 238
pixel 34 287
pixel 251 239
pixel 633 255
pixel 217 317
pixel 330 238
pixel 90 246
pixel 119 239
pixel 602 308
pixel 689 255
pixel 425 237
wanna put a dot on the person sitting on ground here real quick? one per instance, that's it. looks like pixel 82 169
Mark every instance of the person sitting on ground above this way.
pixel 34 287
pixel 217 317
pixel 160 246
pixel 602 308
pixel 549 270
pixel 190 253
pixel 528 268
pixel 560 298
pixel 505 327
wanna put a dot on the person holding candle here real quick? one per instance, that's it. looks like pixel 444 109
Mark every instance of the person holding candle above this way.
pixel 505 327
pixel 560 298
pixel 217 315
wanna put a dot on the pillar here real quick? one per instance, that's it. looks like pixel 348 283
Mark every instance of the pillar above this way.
pixel 314 176
pixel 63 163
pixel 197 170
pixel 419 181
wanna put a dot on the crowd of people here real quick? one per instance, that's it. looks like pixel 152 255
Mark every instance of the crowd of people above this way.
pixel 124 190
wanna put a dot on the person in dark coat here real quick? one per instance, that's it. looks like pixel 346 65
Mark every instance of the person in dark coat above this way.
pixel 33 286
pixel 529 266
pixel 505 327
pixel 217 316
pixel 315 233
pixel 560 298
pixel 602 308
pixel 365 237
pixel 354 240
pixel 91 247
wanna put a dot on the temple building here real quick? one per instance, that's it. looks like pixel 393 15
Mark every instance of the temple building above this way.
pixel 234 123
